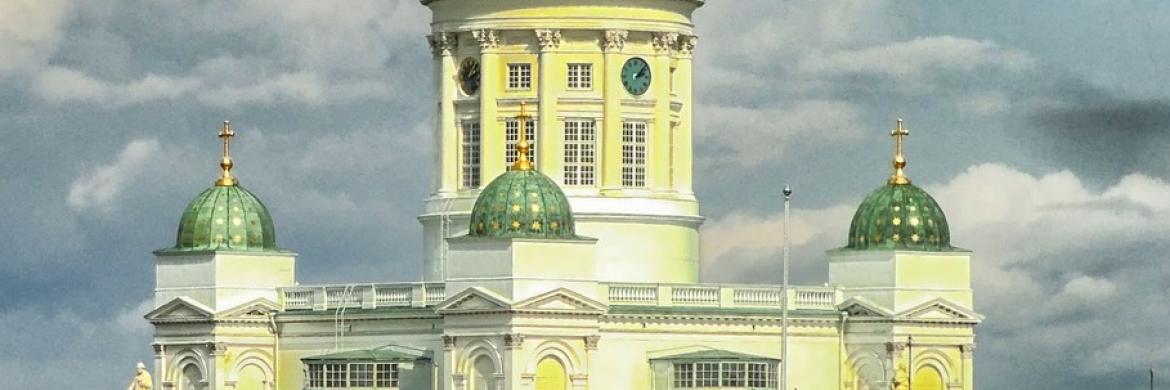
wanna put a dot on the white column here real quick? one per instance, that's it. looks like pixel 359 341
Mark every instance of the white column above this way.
pixel 611 134
pixel 446 176
pixel 683 138
pixel 659 169
pixel 549 138
pixel 491 135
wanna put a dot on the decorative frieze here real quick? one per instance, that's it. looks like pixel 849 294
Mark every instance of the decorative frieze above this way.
pixel 548 39
pixel 487 38
pixel 615 40
pixel 443 43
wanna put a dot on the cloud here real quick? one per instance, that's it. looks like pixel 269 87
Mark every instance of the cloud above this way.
pixel 758 135
pixel 1055 264
pixel 303 87
pixel 59 85
pixel 29 32
pixel 100 187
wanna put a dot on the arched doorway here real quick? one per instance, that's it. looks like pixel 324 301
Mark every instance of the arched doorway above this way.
pixel 550 375
pixel 191 378
pixel 251 377
pixel 485 374
pixel 927 378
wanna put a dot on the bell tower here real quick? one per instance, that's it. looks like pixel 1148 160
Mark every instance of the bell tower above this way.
pixel 611 81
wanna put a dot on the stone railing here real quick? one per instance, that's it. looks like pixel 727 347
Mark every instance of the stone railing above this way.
pixel 724 296
pixel 362 296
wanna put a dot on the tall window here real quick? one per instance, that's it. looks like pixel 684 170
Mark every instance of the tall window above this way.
pixel 580 152
pixel 634 154
pixel 512 137
pixel 470 163
pixel 580 76
pixel 735 374
pixel 519 76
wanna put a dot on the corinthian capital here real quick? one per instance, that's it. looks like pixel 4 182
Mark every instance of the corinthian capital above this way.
pixel 686 44
pixel 487 38
pixel 615 40
pixel 442 43
pixel 664 41
pixel 548 39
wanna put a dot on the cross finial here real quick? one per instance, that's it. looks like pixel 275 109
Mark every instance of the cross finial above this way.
pixel 899 133
pixel 522 146
pixel 225 178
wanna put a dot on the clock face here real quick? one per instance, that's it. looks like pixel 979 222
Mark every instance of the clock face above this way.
pixel 636 76
pixel 469 76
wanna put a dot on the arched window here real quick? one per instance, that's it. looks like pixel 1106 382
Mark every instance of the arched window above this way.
pixel 927 378
pixel 191 378
pixel 550 375
pixel 485 374
pixel 251 377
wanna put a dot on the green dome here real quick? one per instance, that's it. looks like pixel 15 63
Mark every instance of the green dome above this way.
pixel 522 203
pixel 226 217
pixel 899 216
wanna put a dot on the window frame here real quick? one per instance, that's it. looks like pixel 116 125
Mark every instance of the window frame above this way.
pixel 345 375
pixel 512 138
pixel 724 374
pixel 471 155
pixel 579 76
pixel 519 76
pixel 635 154
pixel 580 154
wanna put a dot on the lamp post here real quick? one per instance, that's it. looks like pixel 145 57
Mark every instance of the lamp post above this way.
pixel 910 357
pixel 784 297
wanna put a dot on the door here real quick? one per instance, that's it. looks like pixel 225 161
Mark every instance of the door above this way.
pixel 550 375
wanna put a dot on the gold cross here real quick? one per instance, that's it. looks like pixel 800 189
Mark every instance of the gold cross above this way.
pixel 226 164
pixel 522 146
pixel 899 133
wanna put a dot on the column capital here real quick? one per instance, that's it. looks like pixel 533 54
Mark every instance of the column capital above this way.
pixel 448 342
pixel 443 43
pixel 548 39
pixel 217 349
pixel 664 42
pixel 615 40
pixel 967 350
pixel 591 342
pixel 158 349
pixel 686 44
pixel 513 341
pixel 487 38
pixel 895 349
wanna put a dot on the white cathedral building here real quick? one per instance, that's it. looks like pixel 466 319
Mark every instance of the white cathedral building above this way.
pixel 562 245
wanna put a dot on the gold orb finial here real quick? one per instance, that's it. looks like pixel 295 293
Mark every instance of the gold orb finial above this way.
pixel 226 164
pixel 899 133
pixel 522 146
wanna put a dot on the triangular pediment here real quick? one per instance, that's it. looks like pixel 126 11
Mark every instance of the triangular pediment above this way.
pixel 256 308
pixel 180 309
pixel 472 300
pixel 861 307
pixel 561 300
pixel 940 309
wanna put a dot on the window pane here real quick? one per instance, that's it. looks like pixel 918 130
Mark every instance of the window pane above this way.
pixel 733 375
pixel 580 136
pixel 519 76
pixel 684 375
pixel 361 374
pixel 580 76
pixel 707 374
pixel 634 154
pixel 315 374
pixel 335 375
pixel 471 163
pixel 387 375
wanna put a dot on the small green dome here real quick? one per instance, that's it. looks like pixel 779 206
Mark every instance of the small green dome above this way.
pixel 522 203
pixel 899 216
pixel 226 217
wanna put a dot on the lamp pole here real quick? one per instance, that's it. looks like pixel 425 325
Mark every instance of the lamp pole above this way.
pixel 910 357
pixel 784 288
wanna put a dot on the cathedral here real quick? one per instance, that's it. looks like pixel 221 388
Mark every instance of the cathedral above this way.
pixel 561 245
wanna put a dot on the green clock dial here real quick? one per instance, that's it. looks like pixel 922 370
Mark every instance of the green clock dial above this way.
pixel 469 76
pixel 636 76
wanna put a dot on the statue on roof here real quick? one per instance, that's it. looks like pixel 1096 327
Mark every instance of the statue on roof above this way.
pixel 142 379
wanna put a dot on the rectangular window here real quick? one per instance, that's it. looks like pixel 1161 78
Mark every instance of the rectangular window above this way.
pixel 760 375
pixel 361 375
pixel 512 137
pixel 633 154
pixel 519 76
pixel 580 152
pixel 733 375
pixel 335 375
pixel 315 374
pixel 706 374
pixel 470 164
pixel 684 375
pixel 580 76
pixel 387 375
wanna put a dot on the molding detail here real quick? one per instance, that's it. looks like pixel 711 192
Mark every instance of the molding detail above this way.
pixel 615 40
pixel 448 342
pixel 686 44
pixel 895 349
pixel 442 43
pixel 158 349
pixel 591 342
pixel 217 349
pixel 513 340
pixel 487 38
pixel 664 42
pixel 967 351
pixel 548 39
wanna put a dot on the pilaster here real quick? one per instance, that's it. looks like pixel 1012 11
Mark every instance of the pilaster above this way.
pixel 967 351
pixel 613 43
pixel 661 137
pixel 549 138
pixel 491 131
pixel 446 178
pixel 684 133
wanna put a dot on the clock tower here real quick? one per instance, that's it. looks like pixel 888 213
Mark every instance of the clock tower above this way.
pixel 610 81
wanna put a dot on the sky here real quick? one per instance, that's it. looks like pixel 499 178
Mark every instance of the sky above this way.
pixel 1041 127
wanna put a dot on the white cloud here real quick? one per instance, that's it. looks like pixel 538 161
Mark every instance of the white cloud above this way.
pixel 912 61
pixel 29 32
pixel 60 85
pixel 100 187
pixel 303 87
pixel 758 135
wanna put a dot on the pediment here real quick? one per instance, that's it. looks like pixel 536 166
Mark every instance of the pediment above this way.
pixel 180 309
pixel 259 307
pixel 940 309
pixel 472 300
pixel 561 300
pixel 861 307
